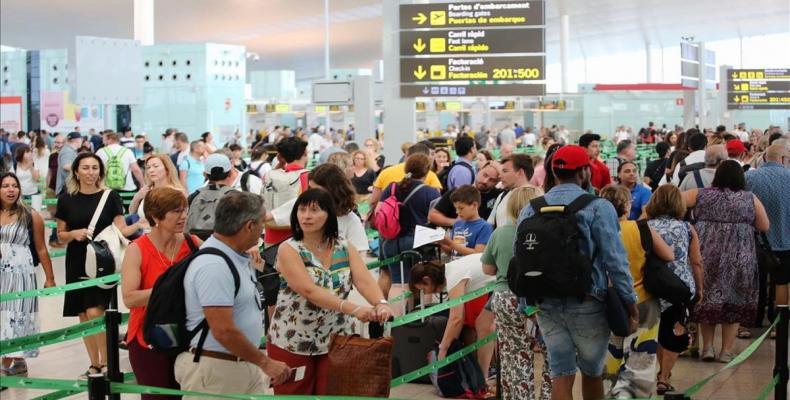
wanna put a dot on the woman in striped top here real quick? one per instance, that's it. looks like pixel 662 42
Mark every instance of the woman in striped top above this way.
pixel 319 269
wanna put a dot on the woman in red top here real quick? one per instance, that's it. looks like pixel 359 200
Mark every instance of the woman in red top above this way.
pixel 145 260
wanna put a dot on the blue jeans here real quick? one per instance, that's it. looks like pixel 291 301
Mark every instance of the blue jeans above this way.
pixel 391 248
pixel 575 334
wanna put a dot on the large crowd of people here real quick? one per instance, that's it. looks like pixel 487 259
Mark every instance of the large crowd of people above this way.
pixel 284 212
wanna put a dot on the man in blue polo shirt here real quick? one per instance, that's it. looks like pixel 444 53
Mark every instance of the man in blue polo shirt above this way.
pixel 229 361
pixel 462 171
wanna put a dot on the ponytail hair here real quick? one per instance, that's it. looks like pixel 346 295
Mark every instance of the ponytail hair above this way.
pixel 417 167
pixel 433 270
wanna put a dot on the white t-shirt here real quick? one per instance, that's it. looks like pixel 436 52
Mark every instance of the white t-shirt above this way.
pixel 529 139
pixel 467 268
pixel 254 184
pixel 127 159
pixel 25 176
pixel 265 168
pixel 350 228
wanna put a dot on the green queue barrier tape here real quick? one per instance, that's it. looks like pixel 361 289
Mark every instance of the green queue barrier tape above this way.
pixel 746 353
pixel 442 306
pixel 55 253
pixel 80 330
pixel 57 290
pixel 434 366
pixel 767 390
pixel 140 389
pixel 61 394
pixel 45 384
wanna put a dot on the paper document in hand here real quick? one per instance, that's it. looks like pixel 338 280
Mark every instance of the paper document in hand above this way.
pixel 423 235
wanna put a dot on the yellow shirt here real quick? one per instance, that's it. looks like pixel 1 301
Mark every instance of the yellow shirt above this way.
pixel 632 241
pixel 396 173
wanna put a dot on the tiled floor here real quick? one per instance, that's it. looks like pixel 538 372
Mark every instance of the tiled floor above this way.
pixel 67 360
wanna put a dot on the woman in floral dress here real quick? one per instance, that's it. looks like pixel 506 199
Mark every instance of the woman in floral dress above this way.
pixel 19 225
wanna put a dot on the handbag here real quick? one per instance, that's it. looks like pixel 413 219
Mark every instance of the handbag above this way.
pixel 658 278
pixel 766 258
pixel 616 313
pixel 359 366
pixel 105 250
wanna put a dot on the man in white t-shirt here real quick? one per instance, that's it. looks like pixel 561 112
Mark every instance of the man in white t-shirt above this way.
pixel 112 148
pixel 517 170
pixel 529 138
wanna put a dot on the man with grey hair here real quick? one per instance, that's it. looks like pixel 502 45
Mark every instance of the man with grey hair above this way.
pixel 703 178
pixel 229 301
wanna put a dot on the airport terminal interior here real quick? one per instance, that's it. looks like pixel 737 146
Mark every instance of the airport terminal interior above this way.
pixel 408 199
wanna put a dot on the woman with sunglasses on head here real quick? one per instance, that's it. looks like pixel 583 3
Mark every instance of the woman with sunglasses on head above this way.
pixel 320 269
pixel 76 206
pixel 22 247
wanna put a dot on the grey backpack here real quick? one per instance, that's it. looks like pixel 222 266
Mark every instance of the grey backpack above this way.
pixel 202 203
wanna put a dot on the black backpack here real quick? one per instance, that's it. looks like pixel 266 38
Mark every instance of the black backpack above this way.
pixel 460 379
pixel 658 278
pixel 548 261
pixel 686 168
pixel 445 174
pixel 164 327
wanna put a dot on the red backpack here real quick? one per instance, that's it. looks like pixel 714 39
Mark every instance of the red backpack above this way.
pixel 386 219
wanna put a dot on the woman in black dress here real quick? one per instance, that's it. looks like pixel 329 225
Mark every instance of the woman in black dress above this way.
pixel 362 174
pixel 84 188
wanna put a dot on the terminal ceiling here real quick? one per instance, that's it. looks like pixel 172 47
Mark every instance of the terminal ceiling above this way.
pixel 288 34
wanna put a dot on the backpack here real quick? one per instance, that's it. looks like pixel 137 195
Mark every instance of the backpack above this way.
pixel 165 325
pixel 386 218
pixel 548 261
pixel 460 379
pixel 686 168
pixel 445 174
pixel 280 186
pixel 115 175
pixel 658 278
pixel 202 204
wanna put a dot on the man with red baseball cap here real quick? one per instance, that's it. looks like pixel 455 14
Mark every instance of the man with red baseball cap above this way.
pixel 736 150
pixel 577 332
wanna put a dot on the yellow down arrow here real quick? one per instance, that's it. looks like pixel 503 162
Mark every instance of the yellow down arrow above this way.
pixel 420 18
pixel 419 46
pixel 420 72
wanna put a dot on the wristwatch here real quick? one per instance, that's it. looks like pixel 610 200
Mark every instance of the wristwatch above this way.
pixel 383 302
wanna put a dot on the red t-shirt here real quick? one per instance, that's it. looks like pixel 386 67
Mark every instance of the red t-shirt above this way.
pixel 153 264
pixel 274 236
pixel 600 174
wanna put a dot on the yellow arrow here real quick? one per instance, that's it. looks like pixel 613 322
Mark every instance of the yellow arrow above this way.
pixel 420 18
pixel 736 99
pixel 419 46
pixel 420 72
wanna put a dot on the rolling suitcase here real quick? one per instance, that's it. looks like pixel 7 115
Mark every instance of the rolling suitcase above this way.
pixel 413 344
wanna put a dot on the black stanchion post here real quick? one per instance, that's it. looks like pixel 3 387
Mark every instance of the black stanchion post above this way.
pixel 112 321
pixel 97 387
pixel 780 363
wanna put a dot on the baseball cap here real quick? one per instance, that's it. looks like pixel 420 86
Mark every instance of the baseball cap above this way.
pixel 570 157
pixel 217 166
pixel 74 135
pixel 735 148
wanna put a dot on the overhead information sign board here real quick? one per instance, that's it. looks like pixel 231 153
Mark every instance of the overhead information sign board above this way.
pixel 758 89
pixel 472 14
pixel 516 68
pixel 476 41
pixel 472 48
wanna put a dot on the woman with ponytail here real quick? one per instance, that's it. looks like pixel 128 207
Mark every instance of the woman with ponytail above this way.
pixel 413 212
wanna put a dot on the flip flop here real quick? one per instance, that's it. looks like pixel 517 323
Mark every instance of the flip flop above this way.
pixel 663 387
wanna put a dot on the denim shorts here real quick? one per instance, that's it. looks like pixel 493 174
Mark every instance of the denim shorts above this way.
pixel 391 248
pixel 576 334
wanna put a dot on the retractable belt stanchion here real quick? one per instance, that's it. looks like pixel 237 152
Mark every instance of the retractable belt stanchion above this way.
pixel 780 364
pixel 112 320
pixel 97 387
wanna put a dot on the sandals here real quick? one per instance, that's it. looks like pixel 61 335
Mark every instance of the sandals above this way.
pixel 93 369
pixel 663 387
pixel 744 333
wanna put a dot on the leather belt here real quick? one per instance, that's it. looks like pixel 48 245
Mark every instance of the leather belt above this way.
pixel 217 355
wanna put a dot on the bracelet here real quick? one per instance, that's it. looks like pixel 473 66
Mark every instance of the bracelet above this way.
pixel 341 305
pixel 355 310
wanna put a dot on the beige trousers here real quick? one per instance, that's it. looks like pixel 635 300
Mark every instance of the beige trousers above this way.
pixel 211 375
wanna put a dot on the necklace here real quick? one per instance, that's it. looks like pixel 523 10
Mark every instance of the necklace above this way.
pixel 159 253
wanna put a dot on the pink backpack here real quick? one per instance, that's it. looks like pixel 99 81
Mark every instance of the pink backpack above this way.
pixel 386 219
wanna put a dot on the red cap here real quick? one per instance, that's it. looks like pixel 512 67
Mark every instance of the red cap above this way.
pixel 570 157
pixel 735 148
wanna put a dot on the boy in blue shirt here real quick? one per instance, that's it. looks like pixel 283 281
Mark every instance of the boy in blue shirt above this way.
pixel 470 233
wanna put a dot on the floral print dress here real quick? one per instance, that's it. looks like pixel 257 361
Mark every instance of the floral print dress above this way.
pixel 18 318
pixel 301 327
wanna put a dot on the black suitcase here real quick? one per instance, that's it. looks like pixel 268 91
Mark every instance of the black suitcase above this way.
pixel 413 343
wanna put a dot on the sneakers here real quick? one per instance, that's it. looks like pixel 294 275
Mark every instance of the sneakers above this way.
pixel 708 355
pixel 725 357
pixel 18 367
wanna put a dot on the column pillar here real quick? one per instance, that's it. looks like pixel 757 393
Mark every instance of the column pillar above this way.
pixel 399 114
pixel 648 63
pixel 364 112
pixel 326 39
pixel 564 45
pixel 703 76
pixel 144 21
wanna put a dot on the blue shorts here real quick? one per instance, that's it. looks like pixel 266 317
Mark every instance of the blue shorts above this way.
pixel 391 248
pixel 575 334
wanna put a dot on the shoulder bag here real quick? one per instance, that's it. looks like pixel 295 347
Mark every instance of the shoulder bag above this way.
pixel 359 366
pixel 105 250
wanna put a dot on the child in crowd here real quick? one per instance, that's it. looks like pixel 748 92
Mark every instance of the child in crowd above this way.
pixel 470 233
